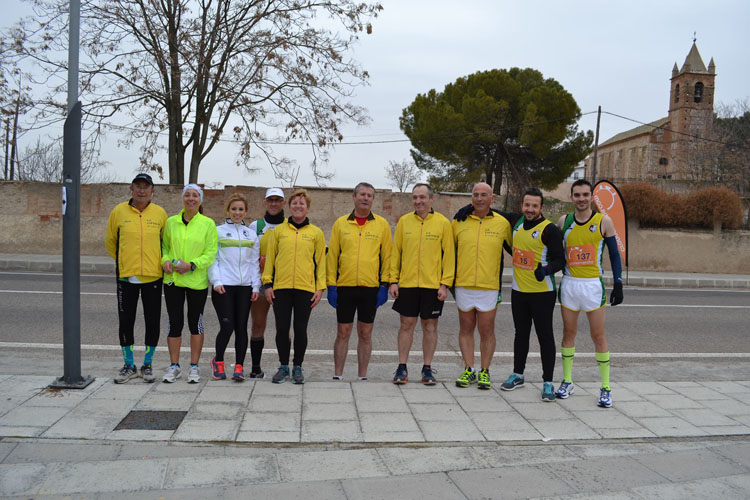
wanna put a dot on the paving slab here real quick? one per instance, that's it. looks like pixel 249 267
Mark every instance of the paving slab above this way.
pixel 730 388
pixel 326 431
pixel 267 388
pixel 121 475
pixel 21 430
pixel 75 426
pixel 444 412
pixel 140 435
pixel 329 411
pixel 392 437
pixel 508 482
pixel 471 404
pixel 701 393
pixel 515 455
pixel 728 407
pixel 207 410
pixel 56 398
pixel 381 404
pixel 206 430
pixel 163 494
pixel 179 401
pixel 645 388
pixel 597 450
pixel 6 449
pixel 327 395
pixel 50 451
pixel 603 474
pixel 435 395
pixel 502 428
pixel 540 410
pixel 738 453
pixel 641 409
pixel 407 461
pixel 317 490
pixel 625 433
pixel 38 415
pixel 369 390
pixel 706 489
pixel 703 417
pixel 327 465
pixel 691 465
pixel 220 471
pixel 278 422
pixel 385 422
pixel 564 429
pixel 669 426
pixel 740 482
pixel 150 451
pixel 725 430
pixel 268 437
pixel 275 403
pixel 672 401
pixel 101 407
pixel 233 393
pixel 22 479
pixel 450 431
pixel 605 418
pixel 421 487
pixel 111 391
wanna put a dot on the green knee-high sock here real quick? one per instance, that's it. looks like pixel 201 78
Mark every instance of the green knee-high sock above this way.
pixel 567 362
pixel 127 354
pixel 602 359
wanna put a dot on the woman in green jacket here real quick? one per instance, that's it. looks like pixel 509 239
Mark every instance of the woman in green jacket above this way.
pixel 188 248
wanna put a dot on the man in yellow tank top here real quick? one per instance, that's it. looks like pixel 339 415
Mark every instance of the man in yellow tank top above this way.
pixel 537 256
pixel 585 234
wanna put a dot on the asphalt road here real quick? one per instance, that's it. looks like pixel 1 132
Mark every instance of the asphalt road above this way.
pixel 649 321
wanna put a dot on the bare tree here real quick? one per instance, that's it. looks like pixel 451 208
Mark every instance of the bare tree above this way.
pixel 186 72
pixel 43 162
pixel 732 127
pixel 402 174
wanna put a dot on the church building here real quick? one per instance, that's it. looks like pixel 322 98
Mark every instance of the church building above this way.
pixel 670 148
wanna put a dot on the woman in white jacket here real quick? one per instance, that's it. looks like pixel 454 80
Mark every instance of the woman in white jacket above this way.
pixel 235 277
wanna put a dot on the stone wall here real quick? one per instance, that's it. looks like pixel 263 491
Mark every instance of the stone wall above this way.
pixel 31 223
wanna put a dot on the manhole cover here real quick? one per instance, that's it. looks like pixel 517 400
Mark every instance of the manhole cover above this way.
pixel 152 420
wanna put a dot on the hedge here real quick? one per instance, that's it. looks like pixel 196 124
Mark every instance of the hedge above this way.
pixel 654 207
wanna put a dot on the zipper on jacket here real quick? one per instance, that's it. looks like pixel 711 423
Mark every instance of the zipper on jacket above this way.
pixel 294 267
pixel 239 249
pixel 359 246
pixel 476 256
pixel 419 252
pixel 140 219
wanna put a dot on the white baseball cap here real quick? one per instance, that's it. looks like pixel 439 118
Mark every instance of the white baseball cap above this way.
pixel 274 192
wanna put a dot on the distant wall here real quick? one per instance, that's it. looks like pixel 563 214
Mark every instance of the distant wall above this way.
pixel 30 222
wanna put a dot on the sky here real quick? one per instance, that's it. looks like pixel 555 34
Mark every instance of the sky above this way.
pixel 617 55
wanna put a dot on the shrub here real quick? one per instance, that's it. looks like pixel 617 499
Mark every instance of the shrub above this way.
pixel 654 207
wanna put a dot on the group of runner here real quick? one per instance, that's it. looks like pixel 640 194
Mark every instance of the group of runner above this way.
pixel 282 262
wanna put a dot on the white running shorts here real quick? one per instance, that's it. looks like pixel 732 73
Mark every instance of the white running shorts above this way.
pixel 481 300
pixel 582 294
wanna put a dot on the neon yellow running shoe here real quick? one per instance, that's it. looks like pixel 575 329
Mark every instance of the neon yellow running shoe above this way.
pixel 484 380
pixel 467 378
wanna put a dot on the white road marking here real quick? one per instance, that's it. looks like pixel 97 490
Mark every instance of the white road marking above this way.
pixel 329 352
pixel 688 306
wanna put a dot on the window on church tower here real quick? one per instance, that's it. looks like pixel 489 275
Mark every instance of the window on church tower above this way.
pixel 698 95
pixel 677 93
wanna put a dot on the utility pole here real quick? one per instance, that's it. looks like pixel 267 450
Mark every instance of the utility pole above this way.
pixel 596 145
pixel 71 208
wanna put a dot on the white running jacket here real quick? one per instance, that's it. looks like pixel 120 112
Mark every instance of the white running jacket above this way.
pixel 236 261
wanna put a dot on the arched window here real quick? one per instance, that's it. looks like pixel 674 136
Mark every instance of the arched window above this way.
pixel 698 95
pixel 677 93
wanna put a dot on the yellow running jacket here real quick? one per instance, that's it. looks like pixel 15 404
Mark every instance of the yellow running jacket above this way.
pixel 423 254
pixel 134 240
pixel 359 255
pixel 479 250
pixel 295 258
pixel 196 242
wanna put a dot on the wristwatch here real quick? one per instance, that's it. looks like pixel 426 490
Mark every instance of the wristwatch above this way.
pixel 192 266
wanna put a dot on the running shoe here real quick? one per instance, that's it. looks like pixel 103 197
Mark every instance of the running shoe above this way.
pixel 147 373
pixel 548 392
pixel 126 373
pixel 515 380
pixel 605 398
pixel 565 391
pixel 338 378
pixel 217 370
pixel 401 375
pixel 173 373
pixel 194 375
pixel 428 377
pixel 483 381
pixel 362 379
pixel 259 374
pixel 297 377
pixel 239 373
pixel 467 378
pixel 282 375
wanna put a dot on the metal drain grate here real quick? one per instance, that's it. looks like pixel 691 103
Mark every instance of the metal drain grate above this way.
pixel 152 420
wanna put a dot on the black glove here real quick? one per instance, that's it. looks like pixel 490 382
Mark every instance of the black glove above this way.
pixel 540 272
pixel 464 212
pixel 616 296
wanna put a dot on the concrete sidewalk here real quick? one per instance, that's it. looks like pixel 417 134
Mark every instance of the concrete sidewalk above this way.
pixel 373 440
pixel 105 265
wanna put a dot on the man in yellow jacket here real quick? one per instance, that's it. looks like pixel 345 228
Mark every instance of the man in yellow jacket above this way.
pixel 357 269
pixel 423 261
pixel 479 239
pixel 133 239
